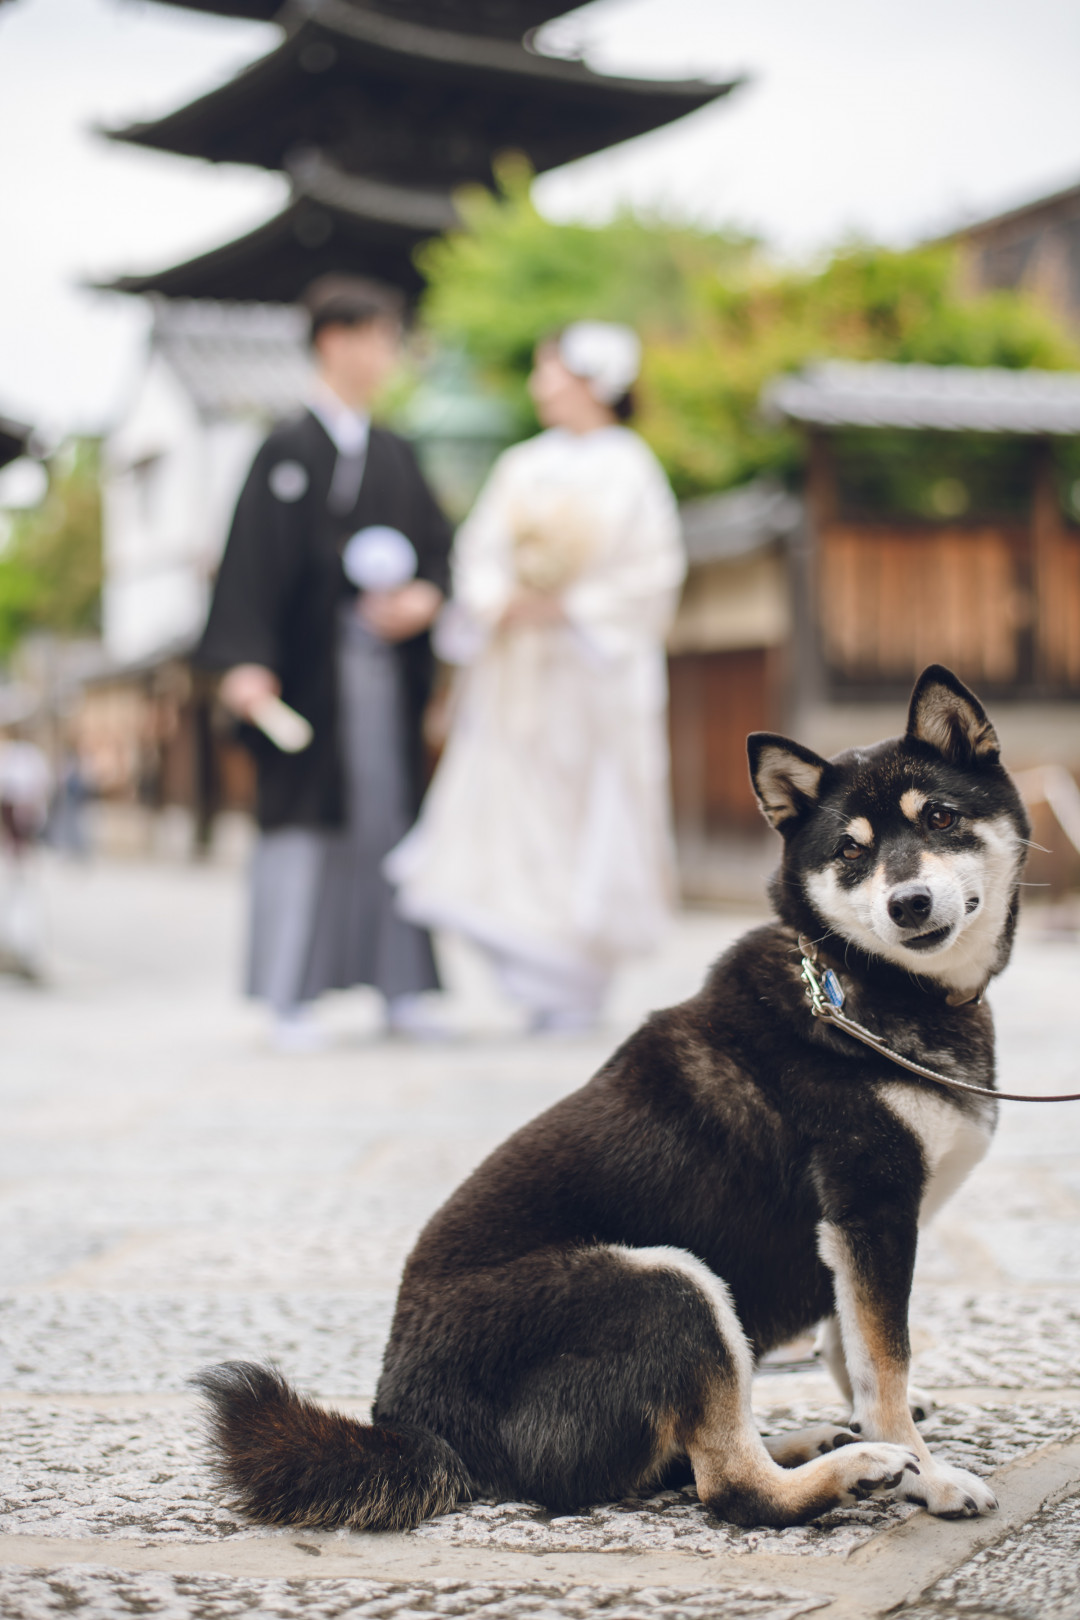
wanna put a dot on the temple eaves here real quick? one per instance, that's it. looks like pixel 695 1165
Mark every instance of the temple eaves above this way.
pixel 398 101
pixel 503 19
pixel 332 221
pixel 15 439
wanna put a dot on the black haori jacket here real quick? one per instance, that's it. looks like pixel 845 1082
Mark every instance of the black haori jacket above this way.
pixel 279 589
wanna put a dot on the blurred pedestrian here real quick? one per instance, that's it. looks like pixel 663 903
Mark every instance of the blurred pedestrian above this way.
pixel 66 829
pixel 288 623
pixel 25 789
pixel 545 835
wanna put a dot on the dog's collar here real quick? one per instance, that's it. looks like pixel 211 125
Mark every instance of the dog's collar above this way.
pixel 812 951
pixel 955 999
pixel 826 996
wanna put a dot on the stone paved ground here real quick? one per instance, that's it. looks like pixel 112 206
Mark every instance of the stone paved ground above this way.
pixel 171 1192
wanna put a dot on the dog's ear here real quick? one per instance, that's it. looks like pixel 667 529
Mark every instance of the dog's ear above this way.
pixel 787 777
pixel 948 718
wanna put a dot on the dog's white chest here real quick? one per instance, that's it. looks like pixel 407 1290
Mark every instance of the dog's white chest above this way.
pixel 952 1142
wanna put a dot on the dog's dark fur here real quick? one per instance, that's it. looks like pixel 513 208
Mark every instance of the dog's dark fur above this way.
pixel 562 1331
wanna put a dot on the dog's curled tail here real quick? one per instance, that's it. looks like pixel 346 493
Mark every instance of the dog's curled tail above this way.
pixel 285 1460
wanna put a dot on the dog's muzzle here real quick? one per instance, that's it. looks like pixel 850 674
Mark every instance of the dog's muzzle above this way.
pixel 911 905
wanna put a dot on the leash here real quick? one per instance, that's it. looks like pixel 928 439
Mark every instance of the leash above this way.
pixel 825 994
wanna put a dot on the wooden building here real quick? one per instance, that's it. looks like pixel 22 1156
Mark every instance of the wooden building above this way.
pixel 942 524
pixel 939 521
pixel 728 657
pixel 377 110
pixel 1033 249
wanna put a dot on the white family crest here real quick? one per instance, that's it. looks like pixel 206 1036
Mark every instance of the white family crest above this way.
pixel 288 481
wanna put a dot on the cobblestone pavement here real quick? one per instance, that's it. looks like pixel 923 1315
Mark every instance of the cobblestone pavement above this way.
pixel 172 1192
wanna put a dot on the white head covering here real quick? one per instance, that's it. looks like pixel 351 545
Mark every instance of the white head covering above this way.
pixel 602 354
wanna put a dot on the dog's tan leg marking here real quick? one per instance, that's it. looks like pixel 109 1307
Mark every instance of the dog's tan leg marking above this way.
pixel 879 1378
pixel 734 1473
pixel 830 1348
pixel 738 1479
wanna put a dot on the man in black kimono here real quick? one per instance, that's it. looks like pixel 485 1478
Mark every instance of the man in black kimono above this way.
pixel 285 621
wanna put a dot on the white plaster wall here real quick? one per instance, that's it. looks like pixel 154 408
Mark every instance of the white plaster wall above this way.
pixel 171 482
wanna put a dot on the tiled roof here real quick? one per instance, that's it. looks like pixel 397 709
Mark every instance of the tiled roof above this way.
pixel 1019 213
pixel 738 522
pixel 235 359
pixel 946 398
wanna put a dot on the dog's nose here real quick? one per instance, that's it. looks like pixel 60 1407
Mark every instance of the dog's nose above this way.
pixel 911 905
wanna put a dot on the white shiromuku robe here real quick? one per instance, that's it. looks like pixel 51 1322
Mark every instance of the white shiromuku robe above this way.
pixel 545 835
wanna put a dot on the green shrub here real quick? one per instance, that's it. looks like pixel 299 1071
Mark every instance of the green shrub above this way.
pixel 718 317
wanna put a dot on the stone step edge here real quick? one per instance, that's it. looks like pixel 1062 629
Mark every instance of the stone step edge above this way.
pixel 896 1567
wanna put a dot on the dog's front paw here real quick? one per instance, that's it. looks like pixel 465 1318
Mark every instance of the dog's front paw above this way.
pixel 950 1493
pixel 867 1468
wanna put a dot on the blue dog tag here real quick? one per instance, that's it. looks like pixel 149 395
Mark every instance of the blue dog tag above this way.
pixel 832 987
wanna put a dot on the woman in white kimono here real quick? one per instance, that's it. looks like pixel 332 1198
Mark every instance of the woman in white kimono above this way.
pixel 545 835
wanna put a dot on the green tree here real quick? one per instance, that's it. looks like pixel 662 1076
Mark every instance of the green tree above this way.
pixel 50 567
pixel 510 277
pixel 719 320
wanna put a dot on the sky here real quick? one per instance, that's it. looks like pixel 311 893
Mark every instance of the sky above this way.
pixel 894 121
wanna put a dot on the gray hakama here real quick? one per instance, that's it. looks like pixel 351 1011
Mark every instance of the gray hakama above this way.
pixel 322 915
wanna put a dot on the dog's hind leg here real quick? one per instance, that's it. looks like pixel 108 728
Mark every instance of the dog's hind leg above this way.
pixel 739 1481
pixel 735 1475
pixel 603 1367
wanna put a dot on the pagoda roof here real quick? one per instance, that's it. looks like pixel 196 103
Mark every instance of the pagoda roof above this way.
pixel 504 19
pixel 395 100
pixel 14 439
pixel 332 222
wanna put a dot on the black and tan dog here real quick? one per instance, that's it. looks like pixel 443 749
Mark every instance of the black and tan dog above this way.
pixel 580 1321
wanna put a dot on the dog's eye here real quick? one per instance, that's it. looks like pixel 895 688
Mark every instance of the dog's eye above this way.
pixel 851 851
pixel 938 818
